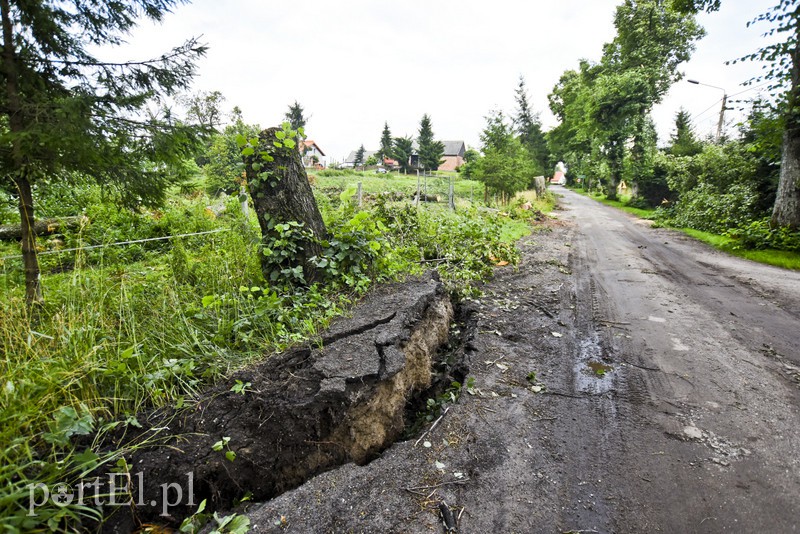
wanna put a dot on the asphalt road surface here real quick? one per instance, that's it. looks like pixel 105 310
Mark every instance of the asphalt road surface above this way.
pixel 624 379
pixel 704 428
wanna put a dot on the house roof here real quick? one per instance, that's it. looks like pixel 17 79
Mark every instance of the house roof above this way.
pixel 351 158
pixel 310 143
pixel 451 148
pixel 454 148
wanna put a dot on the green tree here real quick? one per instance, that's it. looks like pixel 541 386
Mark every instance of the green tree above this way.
pixel 683 141
pixel 224 168
pixel 295 116
pixel 204 108
pixel 471 156
pixel 505 166
pixel 430 150
pixel 403 149
pixel 386 149
pixel 652 40
pixel 65 112
pixel 359 158
pixel 529 129
pixel 575 140
pixel 783 79
pixel 605 107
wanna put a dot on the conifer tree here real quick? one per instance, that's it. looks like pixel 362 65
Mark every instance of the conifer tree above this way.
pixel 430 150
pixel 66 112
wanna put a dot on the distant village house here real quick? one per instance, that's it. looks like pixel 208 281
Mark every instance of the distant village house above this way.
pixel 453 156
pixel 312 154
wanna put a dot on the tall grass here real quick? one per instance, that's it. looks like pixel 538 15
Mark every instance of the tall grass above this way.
pixel 116 337
pixel 149 325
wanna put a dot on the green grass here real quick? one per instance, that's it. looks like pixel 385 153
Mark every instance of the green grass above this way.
pixel 621 204
pixel 778 258
pixel 373 184
pixel 139 326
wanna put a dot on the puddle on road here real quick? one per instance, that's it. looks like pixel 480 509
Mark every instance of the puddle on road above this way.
pixel 598 368
pixel 591 374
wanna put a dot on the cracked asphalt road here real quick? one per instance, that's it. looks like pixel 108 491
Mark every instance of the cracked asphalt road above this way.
pixel 665 399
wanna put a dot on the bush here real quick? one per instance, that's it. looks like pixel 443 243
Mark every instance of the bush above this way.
pixel 704 208
pixel 759 235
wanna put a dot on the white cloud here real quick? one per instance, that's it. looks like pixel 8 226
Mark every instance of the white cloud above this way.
pixel 353 66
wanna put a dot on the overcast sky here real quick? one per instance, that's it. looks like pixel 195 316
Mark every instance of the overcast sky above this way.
pixel 354 65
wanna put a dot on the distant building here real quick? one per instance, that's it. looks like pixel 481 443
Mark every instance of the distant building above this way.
pixel 312 154
pixel 453 155
pixel 350 160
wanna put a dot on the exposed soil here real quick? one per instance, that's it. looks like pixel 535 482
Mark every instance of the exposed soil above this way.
pixel 626 379
pixel 342 399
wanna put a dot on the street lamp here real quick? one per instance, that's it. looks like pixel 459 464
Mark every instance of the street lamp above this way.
pixel 721 111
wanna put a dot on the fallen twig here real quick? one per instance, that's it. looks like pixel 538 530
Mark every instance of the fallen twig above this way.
pixel 432 426
pixel 460 481
pixel 612 322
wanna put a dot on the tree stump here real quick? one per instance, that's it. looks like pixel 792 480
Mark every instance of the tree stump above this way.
pixel 282 194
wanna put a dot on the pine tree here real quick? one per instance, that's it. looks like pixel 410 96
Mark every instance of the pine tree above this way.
pixel 529 129
pixel 67 113
pixel 403 148
pixel 295 116
pixel 386 150
pixel 430 150
pixel 683 142
pixel 359 160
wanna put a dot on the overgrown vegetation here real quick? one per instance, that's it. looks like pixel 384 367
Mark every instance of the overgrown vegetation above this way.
pixel 143 325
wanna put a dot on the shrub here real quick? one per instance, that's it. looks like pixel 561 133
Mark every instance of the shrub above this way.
pixel 759 235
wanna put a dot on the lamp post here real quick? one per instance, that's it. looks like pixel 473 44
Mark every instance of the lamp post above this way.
pixel 721 111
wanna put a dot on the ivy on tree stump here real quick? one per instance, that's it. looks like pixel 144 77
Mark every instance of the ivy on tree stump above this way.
pixel 290 220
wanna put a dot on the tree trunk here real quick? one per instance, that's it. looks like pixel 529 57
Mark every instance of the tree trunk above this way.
pixel 787 204
pixel 13 232
pixel 786 211
pixel 615 154
pixel 33 288
pixel 281 193
pixel 19 172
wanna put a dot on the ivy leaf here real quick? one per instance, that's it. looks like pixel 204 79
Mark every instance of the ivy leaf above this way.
pixel 289 143
pixel 280 135
pixel 248 151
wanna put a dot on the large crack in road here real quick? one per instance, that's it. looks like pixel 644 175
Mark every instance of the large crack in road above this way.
pixel 626 379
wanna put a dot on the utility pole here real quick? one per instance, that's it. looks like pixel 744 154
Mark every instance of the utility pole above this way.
pixel 721 122
pixel 722 117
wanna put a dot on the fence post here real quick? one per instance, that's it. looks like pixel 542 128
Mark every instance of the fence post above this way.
pixel 452 194
pixel 416 198
pixel 359 194
pixel 243 201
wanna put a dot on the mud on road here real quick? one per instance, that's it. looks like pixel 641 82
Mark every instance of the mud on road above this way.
pixel 624 379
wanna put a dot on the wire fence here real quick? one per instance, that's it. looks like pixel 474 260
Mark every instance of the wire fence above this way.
pixel 118 243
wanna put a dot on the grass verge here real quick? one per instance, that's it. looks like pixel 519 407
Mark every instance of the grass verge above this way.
pixel 778 258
